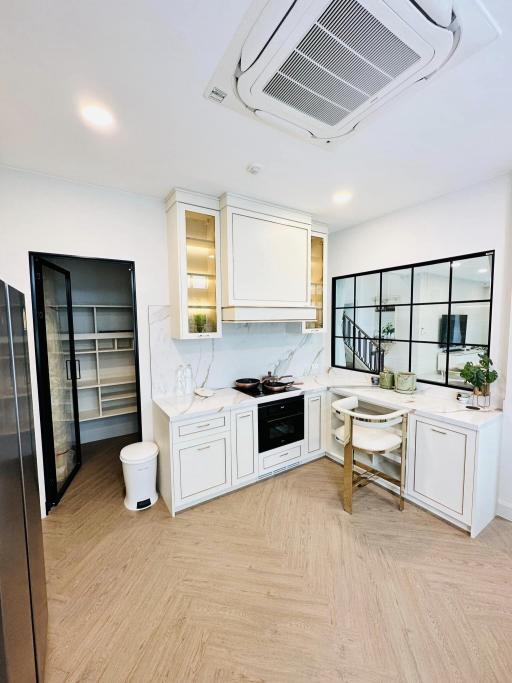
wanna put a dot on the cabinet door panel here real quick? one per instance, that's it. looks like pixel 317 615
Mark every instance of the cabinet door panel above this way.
pixel 203 468
pixel 244 446
pixel 281 275
pixel 314 416
pixel 440 466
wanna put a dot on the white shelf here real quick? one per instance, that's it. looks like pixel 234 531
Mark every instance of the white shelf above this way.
pixel 87 415
pixel 119 397
pixel 125 410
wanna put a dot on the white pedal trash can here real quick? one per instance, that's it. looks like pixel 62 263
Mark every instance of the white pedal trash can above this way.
pixel 139 471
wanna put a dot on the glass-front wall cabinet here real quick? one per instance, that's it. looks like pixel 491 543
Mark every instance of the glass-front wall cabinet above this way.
pixel 318 263
pixel 201 247
pixel 428 318
pixel 194 264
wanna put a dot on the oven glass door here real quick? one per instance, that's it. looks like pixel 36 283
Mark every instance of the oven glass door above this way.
pixel 278 431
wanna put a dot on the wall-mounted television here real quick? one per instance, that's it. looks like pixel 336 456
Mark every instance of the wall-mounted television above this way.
pixel 458 325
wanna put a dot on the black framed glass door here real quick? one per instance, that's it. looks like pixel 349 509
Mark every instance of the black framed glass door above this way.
pixel 57 377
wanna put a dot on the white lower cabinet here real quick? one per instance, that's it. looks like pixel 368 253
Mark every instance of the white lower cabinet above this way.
pixel 314 433
pixel 202 468
pixel 453 471
pixel 244 445
pixel 441 467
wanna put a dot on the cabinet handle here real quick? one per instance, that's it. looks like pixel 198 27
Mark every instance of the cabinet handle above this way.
pixel 203 426
pixel 283 454
pixel 203 448
pixel 438 431
pixel 314 399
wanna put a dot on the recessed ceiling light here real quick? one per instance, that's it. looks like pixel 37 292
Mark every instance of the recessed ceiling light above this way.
pixel 97 116
pixel 342 197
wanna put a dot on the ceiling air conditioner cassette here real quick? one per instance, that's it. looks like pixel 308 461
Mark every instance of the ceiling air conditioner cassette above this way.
pixel 318 68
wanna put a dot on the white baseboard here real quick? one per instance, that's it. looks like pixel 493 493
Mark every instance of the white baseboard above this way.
pixel 504 509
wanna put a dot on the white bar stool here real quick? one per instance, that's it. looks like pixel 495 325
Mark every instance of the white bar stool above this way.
pixel 375 436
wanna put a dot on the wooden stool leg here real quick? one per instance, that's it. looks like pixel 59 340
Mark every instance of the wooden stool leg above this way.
pixel 348 469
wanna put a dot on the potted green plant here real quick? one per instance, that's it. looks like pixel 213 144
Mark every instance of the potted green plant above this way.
pixel 480 375
pixel 200 321
pixel 388 330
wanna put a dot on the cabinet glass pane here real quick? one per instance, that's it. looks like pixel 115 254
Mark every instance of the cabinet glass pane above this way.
pixel 432 282
pixel 457 359
pixel 469 324
pixel 367 320
pixel 201 275
pixel 428 361
pixel 366 352
pixel 395 322
pixel 317 283
pixel 344 322
pixel 343 353
pixel 396 286
pixel 345 292
pixel 471 278
pixel 429 323
pixel 368 289
pixel 395 355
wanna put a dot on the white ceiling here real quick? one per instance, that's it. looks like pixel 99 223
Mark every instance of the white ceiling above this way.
pixel 149 63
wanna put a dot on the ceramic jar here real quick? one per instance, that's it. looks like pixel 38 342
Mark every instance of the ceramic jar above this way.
pixel 405 382
pixel 386 379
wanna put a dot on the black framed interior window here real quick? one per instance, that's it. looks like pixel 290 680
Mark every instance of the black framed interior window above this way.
pixel 429 318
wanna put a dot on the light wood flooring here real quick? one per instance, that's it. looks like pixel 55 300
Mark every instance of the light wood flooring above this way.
pixel 272 583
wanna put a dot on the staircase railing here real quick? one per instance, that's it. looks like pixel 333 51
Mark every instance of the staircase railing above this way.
pixel 364 348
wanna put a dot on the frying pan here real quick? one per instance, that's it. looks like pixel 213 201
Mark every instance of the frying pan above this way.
pixel 276 384
pixel 247 383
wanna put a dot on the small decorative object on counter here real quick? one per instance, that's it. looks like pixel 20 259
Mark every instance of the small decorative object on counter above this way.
pixel 375 380
pixel 463 397
pixel 405 382
pixel 188 379
pixel 179 386
pixel 386 379
pixel 481 376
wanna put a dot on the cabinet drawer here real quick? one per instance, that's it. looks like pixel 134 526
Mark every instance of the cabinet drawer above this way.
pixel 282 457
pixel 203 468
pixel 207 425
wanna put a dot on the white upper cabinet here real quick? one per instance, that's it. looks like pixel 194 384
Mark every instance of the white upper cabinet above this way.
pixel 265 261
pixel 193 225
pixel 318 283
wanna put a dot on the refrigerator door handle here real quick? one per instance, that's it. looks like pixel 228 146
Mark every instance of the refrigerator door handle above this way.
pixel 68 368
pixel 78 369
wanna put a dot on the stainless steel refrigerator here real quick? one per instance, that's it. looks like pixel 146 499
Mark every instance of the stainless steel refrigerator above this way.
pixel 23 609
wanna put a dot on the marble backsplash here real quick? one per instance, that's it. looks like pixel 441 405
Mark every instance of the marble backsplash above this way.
pixel 245 350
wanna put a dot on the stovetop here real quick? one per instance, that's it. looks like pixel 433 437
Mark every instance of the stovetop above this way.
pixel 259 391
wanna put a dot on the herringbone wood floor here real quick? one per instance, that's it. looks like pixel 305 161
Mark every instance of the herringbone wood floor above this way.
pixel 272 583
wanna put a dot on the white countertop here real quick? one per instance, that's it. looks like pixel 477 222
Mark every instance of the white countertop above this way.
pixel 434 402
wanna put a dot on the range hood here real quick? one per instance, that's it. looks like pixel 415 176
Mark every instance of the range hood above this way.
pixel 266 314
pixel 266 262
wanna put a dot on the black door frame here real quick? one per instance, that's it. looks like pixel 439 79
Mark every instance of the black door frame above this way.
pixel 41 351
pixel 52 493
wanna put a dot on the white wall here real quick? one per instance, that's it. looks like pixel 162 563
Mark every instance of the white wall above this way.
pixel 472 220
pixel 39 213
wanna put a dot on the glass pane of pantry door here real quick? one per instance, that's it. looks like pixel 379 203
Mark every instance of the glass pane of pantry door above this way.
pixel 62 426
pixel 201 272
pixel 317 283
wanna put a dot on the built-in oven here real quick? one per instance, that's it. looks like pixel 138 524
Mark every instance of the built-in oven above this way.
pixel 280 423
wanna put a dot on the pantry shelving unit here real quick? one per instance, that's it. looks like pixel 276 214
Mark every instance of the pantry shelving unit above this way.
pixel 105 357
